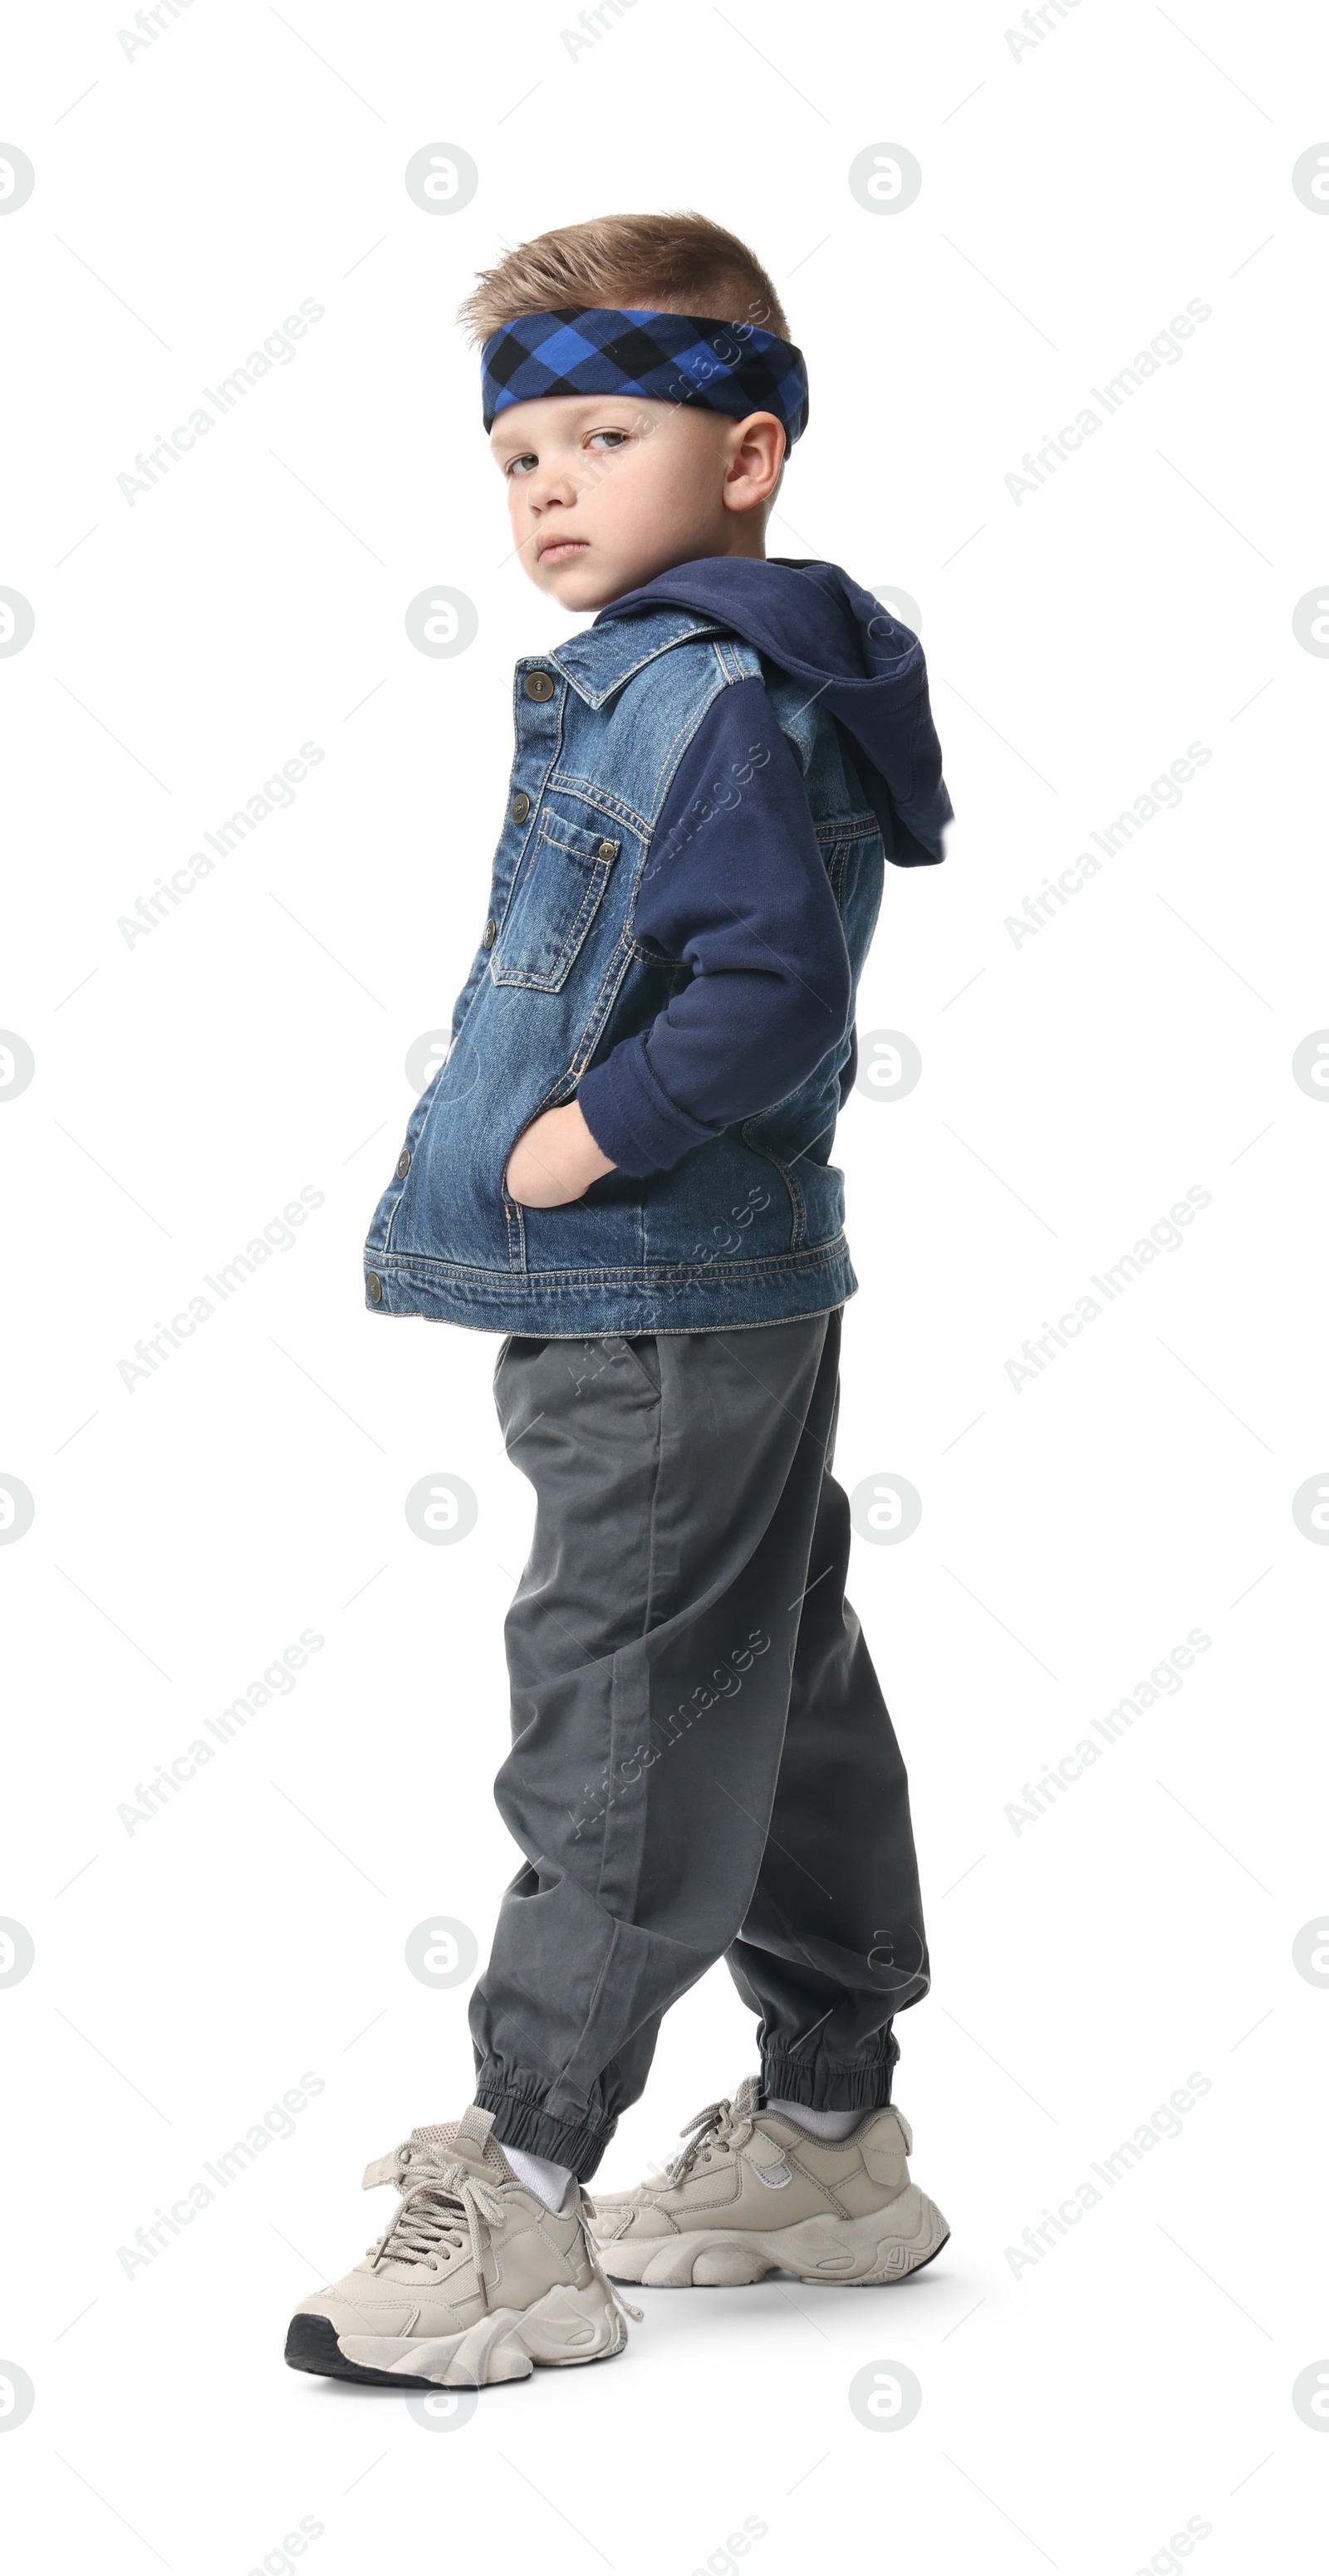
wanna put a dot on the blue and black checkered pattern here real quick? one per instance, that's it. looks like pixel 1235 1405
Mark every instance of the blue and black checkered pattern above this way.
pixel 665 357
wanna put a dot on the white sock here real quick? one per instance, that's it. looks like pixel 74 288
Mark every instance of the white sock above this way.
pixel 828 2125
pixel 548 2181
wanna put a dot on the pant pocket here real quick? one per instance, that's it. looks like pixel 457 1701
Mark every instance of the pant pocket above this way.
pixel 642 1350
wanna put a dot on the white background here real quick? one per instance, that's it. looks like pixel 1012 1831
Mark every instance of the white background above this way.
pixel 1074 198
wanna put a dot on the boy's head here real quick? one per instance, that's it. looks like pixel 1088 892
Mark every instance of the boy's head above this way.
pixel 609 486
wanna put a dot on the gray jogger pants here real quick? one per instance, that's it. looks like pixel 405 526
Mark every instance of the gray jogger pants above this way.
pixel 702 1762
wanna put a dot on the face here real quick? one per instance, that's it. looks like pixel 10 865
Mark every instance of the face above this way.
pixel 604 492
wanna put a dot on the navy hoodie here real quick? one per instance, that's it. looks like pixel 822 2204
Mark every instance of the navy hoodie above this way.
pixel 747 903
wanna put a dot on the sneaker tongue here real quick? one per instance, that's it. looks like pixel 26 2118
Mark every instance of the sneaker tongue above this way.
pixel 469 2140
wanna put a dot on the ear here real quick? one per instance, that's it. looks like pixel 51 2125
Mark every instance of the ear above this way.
pixel 755 461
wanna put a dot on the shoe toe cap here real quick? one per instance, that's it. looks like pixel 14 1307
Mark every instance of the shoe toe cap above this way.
pixel 348 2314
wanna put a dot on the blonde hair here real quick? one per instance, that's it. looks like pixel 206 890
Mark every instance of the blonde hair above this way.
pixel 669 263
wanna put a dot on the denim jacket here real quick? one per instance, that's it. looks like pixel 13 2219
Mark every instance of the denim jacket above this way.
pixel 748 1227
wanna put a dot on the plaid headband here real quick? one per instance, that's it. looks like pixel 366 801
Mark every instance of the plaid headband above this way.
pixel 665 357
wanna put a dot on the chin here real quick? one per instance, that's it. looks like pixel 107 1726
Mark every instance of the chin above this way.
pixel 579 586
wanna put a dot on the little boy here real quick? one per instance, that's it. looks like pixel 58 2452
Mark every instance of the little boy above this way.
pixel 623 1167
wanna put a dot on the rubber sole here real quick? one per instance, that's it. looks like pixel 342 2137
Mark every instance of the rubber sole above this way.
pixel 844 2253
pixel 563 2330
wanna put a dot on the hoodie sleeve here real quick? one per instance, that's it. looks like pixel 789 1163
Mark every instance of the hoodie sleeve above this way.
pixel 736 888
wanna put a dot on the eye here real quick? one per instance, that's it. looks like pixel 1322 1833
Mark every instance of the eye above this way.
pixel 615 437
pixel 521 464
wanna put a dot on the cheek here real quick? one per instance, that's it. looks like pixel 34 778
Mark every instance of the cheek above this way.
pixel 659 488
pixel 692 482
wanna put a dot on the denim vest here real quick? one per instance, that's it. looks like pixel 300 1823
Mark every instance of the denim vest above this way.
pixel 749 1227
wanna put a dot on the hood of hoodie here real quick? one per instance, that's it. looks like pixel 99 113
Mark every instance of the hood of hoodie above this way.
pixel 811 620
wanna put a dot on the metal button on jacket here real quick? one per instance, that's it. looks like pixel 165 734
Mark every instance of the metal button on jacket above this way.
pixel 491 933
pixel 521 806
pixel 375 1286
pixel 606 849
pixel 403 1166
pixel 539 685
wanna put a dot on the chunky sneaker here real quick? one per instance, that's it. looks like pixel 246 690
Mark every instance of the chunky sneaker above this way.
pixel 752 2192
pixel 474 2280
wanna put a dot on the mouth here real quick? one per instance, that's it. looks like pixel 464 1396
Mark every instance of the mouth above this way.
pixel 560 549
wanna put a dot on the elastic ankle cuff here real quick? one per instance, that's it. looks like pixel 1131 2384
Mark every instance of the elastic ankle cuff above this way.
pixel 830 2088
pixel 520 2120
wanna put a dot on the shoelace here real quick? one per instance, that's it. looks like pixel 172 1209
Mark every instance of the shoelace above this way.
pixel 445 2203
pixel 585 2213
pixel 721 2124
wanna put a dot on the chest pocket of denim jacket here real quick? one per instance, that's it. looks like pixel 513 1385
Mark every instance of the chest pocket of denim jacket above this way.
pixel 559 893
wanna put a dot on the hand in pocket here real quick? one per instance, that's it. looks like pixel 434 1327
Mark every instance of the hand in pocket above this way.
pixel 554 1160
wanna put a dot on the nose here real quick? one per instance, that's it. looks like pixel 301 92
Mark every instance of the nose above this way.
pixel 551 486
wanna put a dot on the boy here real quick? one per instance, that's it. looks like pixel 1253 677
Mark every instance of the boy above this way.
pixel 623 1166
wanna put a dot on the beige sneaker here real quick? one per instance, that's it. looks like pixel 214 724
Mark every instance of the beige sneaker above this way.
pixel 752 2192
pixel 473 2281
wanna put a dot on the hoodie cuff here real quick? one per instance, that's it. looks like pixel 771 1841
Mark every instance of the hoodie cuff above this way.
pixel 632 1119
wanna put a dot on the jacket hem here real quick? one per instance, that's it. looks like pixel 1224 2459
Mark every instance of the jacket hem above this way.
pixel 570 1305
